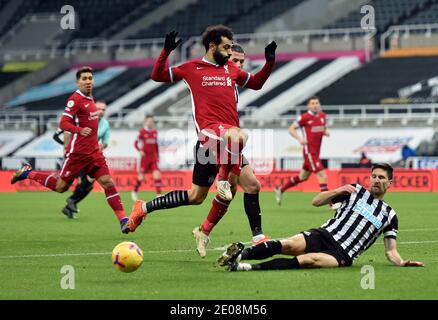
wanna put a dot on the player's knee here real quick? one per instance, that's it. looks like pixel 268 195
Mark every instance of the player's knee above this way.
pixel 61 188
pixel 253 187
pixel 106 183
pixel 308 261
pixel 196 198
pixel 287 246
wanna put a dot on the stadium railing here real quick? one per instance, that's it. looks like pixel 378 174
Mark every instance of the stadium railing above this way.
pixel 302 40
pixel 351 115
pixel 407 36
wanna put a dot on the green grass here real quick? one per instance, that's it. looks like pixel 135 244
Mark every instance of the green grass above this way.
pixel 33 231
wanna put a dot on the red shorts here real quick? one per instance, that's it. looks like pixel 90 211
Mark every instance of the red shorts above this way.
pixel 94 165
pixel 214 132
pixel 212 137
pixel 147 165
pixel 312 163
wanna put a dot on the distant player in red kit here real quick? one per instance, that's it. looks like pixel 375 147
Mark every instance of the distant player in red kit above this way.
pixel 211 82
pixel 147 144
pixel 313 127
pixel 81 119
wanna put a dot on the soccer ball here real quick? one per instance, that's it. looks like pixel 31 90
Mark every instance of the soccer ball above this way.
pixel 127 256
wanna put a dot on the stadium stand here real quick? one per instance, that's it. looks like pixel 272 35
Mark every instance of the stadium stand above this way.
pixel 319 76
pixel 7 77
pixel 429 15
pixel 241 16
pixel 251 20
pixel 387 12
pixel 379 80
pixel 111 83
pixel 337 78
pixel 3 3
pixel 24 8
pixel 113 14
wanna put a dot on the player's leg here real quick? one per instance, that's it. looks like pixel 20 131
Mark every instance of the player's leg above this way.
pixel 234 141
pixel 52 181
pixel 82 189
pixel 156 175
pixel 294 246
pixel 98 169
pixel 309 260
pixel 218 209
pixel 304 247
pixel 251 187
pixel 113 199
pixel 141 209
pixel 204 174
pixel 140 178
pixel 322 179
pixel 291 182
pixel 320 173
pixel 317 260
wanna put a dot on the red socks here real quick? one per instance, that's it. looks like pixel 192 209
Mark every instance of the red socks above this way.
pixel 292 182
pixel 115 202
pixel 157 184
pixel 216 213
pixel 137 185
pixel 46 179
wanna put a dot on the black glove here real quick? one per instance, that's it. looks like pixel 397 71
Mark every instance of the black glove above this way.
pixel 270 51
pixel 170 44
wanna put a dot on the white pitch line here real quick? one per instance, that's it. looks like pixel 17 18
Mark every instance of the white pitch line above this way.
pixel 54 255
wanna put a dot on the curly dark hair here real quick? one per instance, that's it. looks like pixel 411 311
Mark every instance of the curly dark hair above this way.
pixel 214 34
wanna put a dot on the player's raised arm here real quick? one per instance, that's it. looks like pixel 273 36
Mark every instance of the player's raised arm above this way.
pixel 160 71
pixel 257 80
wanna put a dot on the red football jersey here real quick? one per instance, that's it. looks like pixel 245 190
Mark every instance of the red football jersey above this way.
pixel 212 87
pixel 147 141
pixel 313 127
pixel 80 112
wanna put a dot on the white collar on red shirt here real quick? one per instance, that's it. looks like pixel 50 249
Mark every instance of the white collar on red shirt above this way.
pixel 79 91
pixel 313 114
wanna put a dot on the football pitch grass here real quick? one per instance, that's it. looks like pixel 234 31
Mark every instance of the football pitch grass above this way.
pixel 37 240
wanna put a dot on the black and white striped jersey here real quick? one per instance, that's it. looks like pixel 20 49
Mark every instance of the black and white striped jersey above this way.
pixel 360 221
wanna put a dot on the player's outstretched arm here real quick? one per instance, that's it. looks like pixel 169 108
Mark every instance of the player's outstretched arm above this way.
pixel 257 80
pixel 160 71
pixel 394 256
